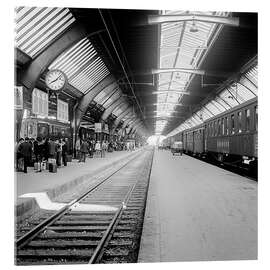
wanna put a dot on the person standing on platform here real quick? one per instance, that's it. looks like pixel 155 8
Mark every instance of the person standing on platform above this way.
pixel 58 153
pixel 98 148
pixel 46 149
pixel 77 149
pixel 103 148
pixel 83 150
pixel 25 149
pixel 35 149
pixel 181 147
pixel 39 148
pixel 52 149
pixel 91 148
pixel 64 152
pixel 19 156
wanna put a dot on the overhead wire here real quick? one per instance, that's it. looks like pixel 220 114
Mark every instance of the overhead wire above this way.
pixel 120 61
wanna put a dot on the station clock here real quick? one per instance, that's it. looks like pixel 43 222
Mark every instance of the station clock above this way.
pixel 56 80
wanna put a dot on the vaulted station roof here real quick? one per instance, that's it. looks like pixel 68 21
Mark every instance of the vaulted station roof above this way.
pixel 162 67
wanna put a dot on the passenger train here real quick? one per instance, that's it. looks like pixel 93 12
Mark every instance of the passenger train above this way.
pixel 230 137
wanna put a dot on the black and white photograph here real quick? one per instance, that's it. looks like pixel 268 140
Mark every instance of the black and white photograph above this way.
pixel 135 135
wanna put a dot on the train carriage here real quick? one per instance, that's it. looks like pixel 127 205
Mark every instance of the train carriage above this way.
pixel 231 136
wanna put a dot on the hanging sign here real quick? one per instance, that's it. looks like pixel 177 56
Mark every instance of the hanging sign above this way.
pixel 98 127
pixel 106 129
pixel 18 98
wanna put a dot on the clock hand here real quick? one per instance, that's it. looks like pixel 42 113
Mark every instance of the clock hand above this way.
pixel 55 79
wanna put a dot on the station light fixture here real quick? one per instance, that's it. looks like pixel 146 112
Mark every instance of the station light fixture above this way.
pixel 168 103
pixel 193 28
pixel 170 92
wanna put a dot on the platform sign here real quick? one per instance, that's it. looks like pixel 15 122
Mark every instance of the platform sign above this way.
pixel 98 127
pixel 106 129
pixel 18 98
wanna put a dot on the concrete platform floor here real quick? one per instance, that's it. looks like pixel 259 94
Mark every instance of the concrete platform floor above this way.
pixel 196 212
pixel 37 182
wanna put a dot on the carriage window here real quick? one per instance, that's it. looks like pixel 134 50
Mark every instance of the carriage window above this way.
pixel 247 112
pixel 256 117
pixel 226 125
pixel 222 126
pixel 239 122
pixel 232 124
pixel 215 128
pixel 218 131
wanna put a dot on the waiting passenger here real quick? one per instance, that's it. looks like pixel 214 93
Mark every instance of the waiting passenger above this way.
pixel 83 150
pixel 46 149
pixel 19 156
pixel 52 149
pixel 64 152
pixel 25 149
pixel 98 148
pixel 91 148
pixel 103 148
pixel 58 153
pixel 77 148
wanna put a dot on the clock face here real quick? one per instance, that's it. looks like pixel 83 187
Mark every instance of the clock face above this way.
pixel 55 80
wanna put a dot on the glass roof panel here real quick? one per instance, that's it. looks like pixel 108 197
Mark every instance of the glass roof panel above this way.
pixel 218 106
pixel 225 104
pixel 82 65
pixel 205 114
pixel 101 97
pixel 228 97
pixel 37 27
pixel 252 75
pixel 116 95
pixel 180 47
pixel 117 111
pixel 212 108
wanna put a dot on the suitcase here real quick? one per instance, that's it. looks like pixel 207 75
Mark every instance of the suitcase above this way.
pixel 20 164
pixel 52 168
pixel 43 166
pixel 52 160
pixel 37 166
pixel 69 158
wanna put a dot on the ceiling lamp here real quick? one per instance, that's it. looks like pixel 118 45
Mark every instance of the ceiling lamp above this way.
pixel 193 28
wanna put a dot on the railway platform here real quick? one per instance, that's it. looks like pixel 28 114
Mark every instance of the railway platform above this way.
pixel 197 212
pixel 66 177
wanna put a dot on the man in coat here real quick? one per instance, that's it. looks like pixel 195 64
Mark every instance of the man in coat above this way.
pixel 25 148
pixel 64 151
pixel 52 148
pixel 83 150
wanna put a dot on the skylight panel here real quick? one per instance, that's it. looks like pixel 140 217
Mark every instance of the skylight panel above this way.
pixel 37 27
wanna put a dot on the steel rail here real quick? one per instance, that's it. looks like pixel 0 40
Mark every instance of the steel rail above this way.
pixel 26 238
pixel 100 248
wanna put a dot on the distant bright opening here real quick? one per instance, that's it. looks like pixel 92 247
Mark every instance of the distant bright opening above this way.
pixel 155 139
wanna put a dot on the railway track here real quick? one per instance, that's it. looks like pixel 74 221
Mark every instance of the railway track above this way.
pixel 109 235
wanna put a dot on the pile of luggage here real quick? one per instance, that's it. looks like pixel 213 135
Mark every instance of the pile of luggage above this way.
pixel 49 165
